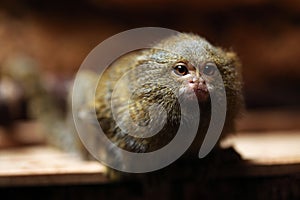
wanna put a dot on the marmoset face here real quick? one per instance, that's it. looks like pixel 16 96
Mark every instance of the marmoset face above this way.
pixel 195 79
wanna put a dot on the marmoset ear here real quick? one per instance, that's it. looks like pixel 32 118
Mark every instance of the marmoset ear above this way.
pixel 233 60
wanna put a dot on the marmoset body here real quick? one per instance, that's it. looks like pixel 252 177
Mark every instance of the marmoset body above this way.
pixel 182 66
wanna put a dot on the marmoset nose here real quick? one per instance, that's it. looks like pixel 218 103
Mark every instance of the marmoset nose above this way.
pixel 197 81
pixel 198 84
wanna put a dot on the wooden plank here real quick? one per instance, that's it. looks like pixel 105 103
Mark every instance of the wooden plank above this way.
pixel 43 165
pixel 265 154
pixel 267 148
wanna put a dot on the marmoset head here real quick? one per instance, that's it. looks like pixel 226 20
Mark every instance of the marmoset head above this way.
pixel 190 66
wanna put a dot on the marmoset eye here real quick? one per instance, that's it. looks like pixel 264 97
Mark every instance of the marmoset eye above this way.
pixel 181 69
pixel 210 69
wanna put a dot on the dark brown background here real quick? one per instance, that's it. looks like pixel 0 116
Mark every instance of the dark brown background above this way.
pixel 265 34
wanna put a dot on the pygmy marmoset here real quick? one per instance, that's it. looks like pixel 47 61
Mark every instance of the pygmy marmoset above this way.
pixel 180 66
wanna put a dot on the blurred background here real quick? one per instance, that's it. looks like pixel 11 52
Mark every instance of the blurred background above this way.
pixel 57 35
pixel 54 37
pixel 43 43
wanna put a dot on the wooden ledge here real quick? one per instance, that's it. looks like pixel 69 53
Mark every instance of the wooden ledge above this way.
pixel 266 154
pixel 267 148
pixel 44 165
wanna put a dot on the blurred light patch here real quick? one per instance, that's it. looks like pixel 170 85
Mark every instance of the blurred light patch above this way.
pixel 271 148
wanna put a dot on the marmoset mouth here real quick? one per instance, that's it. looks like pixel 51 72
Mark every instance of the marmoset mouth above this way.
pixel 193 94
pixel 202 94
pixel 200 89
